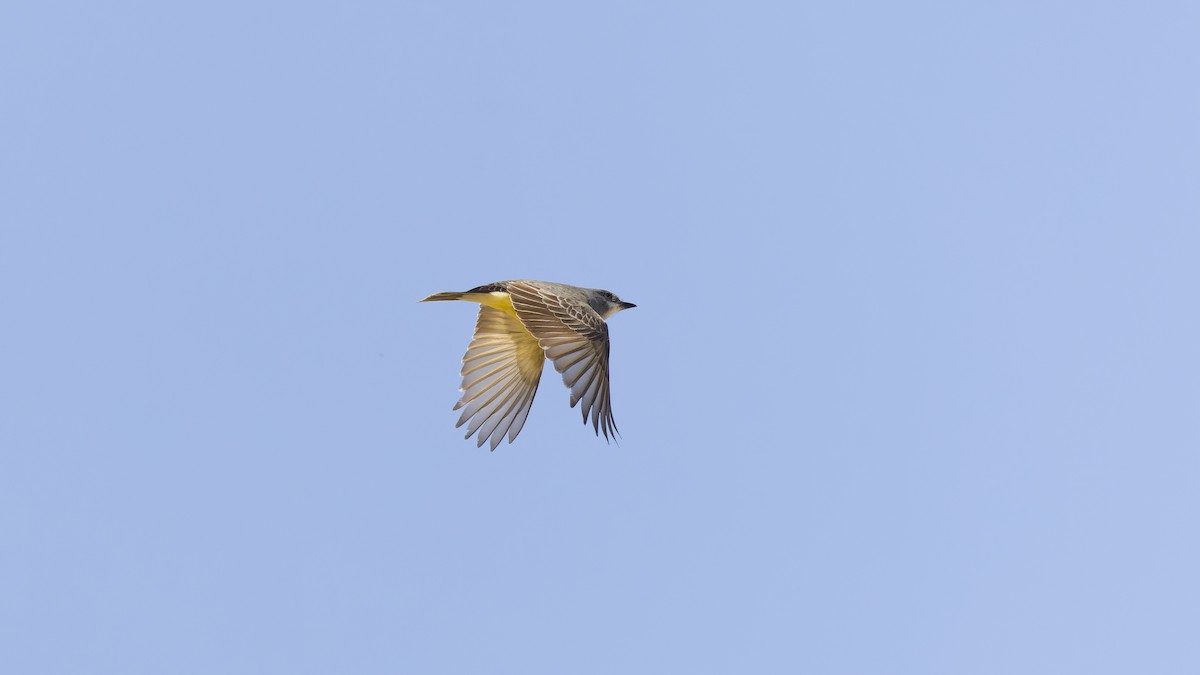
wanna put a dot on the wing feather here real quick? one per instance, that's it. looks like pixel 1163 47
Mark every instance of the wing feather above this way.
pixel 501 370
pixel 575 339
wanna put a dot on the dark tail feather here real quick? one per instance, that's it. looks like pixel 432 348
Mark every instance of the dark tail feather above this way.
pixel 443 296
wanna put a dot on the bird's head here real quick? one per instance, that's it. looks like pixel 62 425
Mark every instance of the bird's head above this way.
pixel 607 303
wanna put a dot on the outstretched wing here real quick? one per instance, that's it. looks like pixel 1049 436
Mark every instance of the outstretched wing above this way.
pixel 576 340
pixel 501 370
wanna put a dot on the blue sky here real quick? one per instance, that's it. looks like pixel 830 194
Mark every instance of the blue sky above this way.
pixel 912 384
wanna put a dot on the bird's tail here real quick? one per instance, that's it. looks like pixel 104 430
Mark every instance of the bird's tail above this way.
pixel 444 296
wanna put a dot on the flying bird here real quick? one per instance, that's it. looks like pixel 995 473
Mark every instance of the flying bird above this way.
pixel 520 325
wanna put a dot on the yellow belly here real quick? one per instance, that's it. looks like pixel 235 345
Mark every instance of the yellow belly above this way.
pixel 497 299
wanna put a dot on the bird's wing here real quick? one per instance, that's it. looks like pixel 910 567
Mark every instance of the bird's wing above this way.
pixel 501 370
pixel 575 338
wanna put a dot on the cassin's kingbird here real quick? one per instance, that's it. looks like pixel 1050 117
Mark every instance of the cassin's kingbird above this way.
pixel 522 323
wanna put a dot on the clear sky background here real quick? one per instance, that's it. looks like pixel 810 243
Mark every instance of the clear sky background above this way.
pixel 913 384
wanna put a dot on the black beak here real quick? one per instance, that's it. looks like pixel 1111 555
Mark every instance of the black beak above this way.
pixel 627 305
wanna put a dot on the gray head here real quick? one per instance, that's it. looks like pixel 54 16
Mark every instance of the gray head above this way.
pixel 606 303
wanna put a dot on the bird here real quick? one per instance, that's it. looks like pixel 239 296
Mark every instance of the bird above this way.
pixel 522 323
